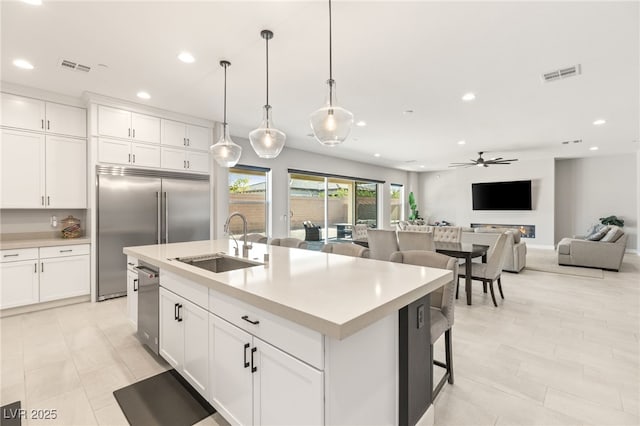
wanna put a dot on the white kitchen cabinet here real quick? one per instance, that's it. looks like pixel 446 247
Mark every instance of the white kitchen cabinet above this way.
pixel 145 155
pixel 185 135
pixel 22 173
pixel 125 152
pixel 119 123
pixel 42 171
pixel 132 298
pixel 37 115
pixel 181 159
pixel 184 338
pixel 252 382
pixel 62 277
pixel 19 282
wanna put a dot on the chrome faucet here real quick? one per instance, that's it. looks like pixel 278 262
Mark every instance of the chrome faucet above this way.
pixel 247 246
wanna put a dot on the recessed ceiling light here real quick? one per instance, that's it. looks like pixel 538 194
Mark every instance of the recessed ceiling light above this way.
pixel 599 122
pixel 361 123
pixel 377 154
pixel 186 57
pixel 461 142
pixel 593 148
pixel 468 97
pixel 143 95
pixel 21 63
pixel 33 2
pixel 422 166
pixel 407 111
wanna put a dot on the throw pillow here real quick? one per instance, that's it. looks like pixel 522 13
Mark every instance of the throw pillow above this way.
pixel 598 235
pixel 612 235
pixel 593 229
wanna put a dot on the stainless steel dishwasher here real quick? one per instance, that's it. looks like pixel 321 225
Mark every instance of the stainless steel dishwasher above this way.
pixel 148 305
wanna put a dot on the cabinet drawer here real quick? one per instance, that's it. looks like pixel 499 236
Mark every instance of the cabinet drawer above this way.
pixel 18 254
pixel 301 342
pixel 193 292
pixel 61 251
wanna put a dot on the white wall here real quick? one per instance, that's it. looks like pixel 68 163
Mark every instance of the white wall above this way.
pixel 446 195
pixel 291 158
pixel 595 187
pixel 19 221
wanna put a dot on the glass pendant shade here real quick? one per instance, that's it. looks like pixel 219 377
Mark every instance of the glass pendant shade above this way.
pixel 331 124
pixel 226 152
pixel 266 140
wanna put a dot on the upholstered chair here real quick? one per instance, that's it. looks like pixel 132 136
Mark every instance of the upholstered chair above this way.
pixel 442 302
pixel 346 249
pixel 289 242
pixel 447 234
pixel 359 232
pixel 382 243
pixel 409 240
pixel 257 238
pixel 490 271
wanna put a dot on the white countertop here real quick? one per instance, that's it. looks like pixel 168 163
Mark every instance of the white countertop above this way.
pixel 332 294
pixel 30 240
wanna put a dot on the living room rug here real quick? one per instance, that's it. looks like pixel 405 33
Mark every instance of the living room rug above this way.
pixel 165 399
pixel 547 261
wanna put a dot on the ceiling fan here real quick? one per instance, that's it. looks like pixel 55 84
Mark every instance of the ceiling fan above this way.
pixel 481 162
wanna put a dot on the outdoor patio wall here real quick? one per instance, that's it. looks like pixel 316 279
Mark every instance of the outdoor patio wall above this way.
pixel 291 158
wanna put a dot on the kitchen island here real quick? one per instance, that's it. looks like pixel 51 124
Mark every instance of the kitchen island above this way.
pixel 304 338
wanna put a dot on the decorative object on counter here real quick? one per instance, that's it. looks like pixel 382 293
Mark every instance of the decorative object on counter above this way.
pixel 612 220
pixel 71 227
pixel 226 152
pixel 331 124
pixel 266 140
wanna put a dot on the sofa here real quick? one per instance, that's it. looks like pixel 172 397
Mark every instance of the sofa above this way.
pixel 448 234
pixel 604 253
pixel 515 250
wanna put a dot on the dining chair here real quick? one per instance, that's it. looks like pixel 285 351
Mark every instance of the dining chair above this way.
pixel 490 271
pixel 346 249
pixel 441 300
pixel 289 242
pixel 412 240
pixel 256 238
pixel 382 243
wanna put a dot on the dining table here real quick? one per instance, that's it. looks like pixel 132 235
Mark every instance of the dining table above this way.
pixel 466 251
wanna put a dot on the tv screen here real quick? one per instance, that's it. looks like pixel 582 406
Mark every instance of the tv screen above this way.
pixel 515 195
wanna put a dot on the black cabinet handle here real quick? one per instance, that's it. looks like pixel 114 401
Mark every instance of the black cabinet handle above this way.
pixel 253 367
pixel 66 251
pixel 11 255
pixel 42 267
pixel 48 125
pixel 175 311
pixel 246 318
pixel 135 284
pixel 42 124
pixel 129 132
pixel 179 313
pixel 134 133
pixel 35 268
pixel 246 363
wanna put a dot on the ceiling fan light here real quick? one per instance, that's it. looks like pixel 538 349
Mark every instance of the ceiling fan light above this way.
pixel 266 140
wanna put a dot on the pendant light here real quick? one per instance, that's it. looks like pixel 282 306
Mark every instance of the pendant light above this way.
pixel 331 124
pixel 225 151
pixel 266 140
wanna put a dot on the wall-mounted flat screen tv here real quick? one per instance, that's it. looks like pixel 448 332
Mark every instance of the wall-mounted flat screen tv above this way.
pixel 514 195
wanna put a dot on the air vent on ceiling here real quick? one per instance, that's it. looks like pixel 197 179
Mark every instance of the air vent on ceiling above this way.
pixel 74 66
pixel 561 73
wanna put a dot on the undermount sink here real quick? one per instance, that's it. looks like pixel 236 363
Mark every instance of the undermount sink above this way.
pixel 217 262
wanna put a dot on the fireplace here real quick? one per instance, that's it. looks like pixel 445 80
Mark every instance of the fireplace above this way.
pixel 526 231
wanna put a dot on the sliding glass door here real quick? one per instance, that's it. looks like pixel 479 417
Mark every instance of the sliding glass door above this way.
pixel 367 203
pixel 306 205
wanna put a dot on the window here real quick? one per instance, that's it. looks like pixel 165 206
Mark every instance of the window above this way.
pixel 367 203
pixel 248 195
pixel 396 197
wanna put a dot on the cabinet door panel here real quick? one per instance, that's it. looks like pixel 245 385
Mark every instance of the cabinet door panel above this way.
pixel 286 391
pixel 198 161
pixel 145 155
pixel 63 277
pixel 198 137
pixel 66 120
pixel 171 331
pixel 19 283
pixel 22 177
pixel 23 113
pixel 114 122
pixel 173 133
pixel 230 381
pixel 114 151
pixel 145 128
pixel 132 298
pixel 66 172
pixel 173 158
pixel 196 347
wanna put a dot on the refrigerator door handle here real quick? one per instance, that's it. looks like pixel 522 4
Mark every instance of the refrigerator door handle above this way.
pixel 166 218
pixel 159 212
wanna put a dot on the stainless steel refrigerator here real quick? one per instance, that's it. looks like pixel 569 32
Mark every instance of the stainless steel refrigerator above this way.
pixel 139 207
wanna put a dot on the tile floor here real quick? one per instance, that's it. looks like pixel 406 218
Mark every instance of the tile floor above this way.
pixel 560 350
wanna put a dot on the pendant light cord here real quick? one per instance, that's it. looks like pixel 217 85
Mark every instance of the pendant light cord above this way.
pixel 225 95
pixel 330 60
pixel 267 61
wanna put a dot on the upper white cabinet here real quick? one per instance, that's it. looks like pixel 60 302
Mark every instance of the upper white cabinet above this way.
pixel 124 152
pixel 119 123
pixel 42 171
pixel 175 133
pixel 182 159
pixel 37 115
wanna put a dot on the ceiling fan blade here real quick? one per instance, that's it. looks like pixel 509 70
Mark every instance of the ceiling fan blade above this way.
pixel 496 159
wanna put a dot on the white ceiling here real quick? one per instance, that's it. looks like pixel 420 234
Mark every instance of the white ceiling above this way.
pixel 388 57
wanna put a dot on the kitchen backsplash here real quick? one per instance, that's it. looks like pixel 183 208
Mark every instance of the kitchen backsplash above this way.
pixel 30 220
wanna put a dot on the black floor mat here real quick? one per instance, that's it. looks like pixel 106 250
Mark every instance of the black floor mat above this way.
pixel 11 414
pixel 164 399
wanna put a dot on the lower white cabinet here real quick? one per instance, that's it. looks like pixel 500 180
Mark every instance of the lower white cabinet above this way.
pixel 184 338
pixel 19 283
pixel 253 382
pixel 62 277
